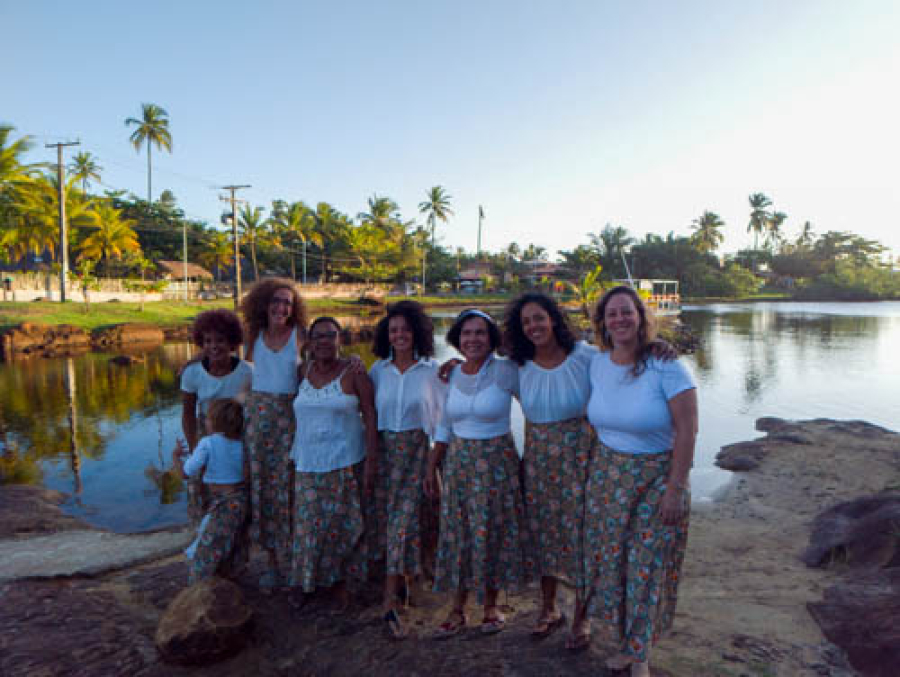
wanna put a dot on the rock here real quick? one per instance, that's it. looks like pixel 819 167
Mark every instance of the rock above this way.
pixel 28 510
pixel 769 424
pixel 180 332
pixel 126 360
pixel 30 338
pixel 862 616
pixel 127 333
pixel 205 623
pixel 742 456
pixel 864 532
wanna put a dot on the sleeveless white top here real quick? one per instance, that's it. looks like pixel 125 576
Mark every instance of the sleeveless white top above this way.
pixel 275 371
pixel 329 428
pixel 558 394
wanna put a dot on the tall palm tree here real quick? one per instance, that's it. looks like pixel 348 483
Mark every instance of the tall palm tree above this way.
pixel 806 237
pixel 84 167
pixel 113 239
pixel 610 245
pixel 153 129
pixel 707 237
pixel 333 228
pixel 295 222
pixel 383 213
pixel 12 170
pixel 436 206
pixel 759 216
pixel 251 224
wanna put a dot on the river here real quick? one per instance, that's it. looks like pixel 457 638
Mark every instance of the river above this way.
pixel 102 433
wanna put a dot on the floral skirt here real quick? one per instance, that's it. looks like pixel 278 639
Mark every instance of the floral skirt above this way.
pixel 394 533
pixel 221 544
pixel 482 541
pixel 268 437
pixel 632 560
pixel 328 545
pixel 555 469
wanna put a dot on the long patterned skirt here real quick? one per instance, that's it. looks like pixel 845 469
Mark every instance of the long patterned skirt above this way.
pixel 268 437
pixel 555 469
pixel 221 544
pixel 394 534
pixel 328 545
pixel 632 560
pixel 483 536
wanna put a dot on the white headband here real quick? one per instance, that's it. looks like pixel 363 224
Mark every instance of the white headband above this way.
pixel 474 311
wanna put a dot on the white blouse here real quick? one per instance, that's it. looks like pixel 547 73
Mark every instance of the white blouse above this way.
pixel 412 400
pixel 275 371
pixel 195 379
pixel 478 405
pixel 558 394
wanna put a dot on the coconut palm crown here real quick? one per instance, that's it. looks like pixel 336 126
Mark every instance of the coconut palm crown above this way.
pixel 153 129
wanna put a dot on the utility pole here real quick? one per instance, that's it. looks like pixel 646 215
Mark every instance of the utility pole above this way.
pixel 480 219
pixel 184 267
pixel 234 232
pixel 63 234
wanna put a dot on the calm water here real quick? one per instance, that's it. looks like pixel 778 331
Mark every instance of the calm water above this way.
pixel 103 433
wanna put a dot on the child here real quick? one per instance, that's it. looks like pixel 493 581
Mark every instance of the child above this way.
pixel 219 458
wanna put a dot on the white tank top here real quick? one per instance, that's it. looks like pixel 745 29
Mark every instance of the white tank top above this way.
pixel 329 432
pixel 275 371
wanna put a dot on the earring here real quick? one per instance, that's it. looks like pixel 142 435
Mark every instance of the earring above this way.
pixel 391 354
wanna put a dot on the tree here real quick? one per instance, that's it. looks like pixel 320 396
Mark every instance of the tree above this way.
pixel 587 291
pixel 773 229
pixel 333 228
pixel 610 245
pixel 153 129
pixel 373 252
pixel 251 224
pixel 436 206
pixel 295 221
pixel 84 167
pixel 759 216
pixel 217 252
pixel 581 260
pixel 707 237
pixel 113 239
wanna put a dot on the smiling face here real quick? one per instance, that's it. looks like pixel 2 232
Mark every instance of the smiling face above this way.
pixel 537 325
pixel 400 334
pixel 324 341
pixel 475 339
pixel 216 347
pixel 621 320
pixel 281 305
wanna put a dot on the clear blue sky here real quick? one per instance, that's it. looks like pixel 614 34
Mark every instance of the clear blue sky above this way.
pixel 558 117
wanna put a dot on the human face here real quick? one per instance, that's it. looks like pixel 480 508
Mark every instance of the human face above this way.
pixel 281 305
pixel 216 347
pixel 475 339
pixel 325 341
pixel 400 335
pixel 622 320
pixel 537 325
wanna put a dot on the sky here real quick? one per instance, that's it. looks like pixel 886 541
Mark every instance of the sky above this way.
pixel 557 117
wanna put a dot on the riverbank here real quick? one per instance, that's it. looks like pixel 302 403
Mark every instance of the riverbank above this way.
pixel 742 609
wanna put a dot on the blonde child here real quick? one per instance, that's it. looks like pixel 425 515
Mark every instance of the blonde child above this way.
pixel 219 459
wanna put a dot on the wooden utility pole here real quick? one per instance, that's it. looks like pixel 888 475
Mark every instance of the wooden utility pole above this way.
pixel 63 234
pixel 234 232
pixel 480 219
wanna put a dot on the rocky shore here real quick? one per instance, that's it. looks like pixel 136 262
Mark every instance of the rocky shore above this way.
pixel 750 604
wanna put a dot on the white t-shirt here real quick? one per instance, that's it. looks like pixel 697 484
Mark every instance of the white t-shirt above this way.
pixel 195 379
pixel 630 414
pixel 558 394
pixel 412 400
pixel 223 458
pixel 478 405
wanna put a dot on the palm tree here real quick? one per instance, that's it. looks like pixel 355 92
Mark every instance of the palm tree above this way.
pixel 12 170
pixel 773 228
pixel 295 222
pixel 436 206
pixel 251 223
pixel 707 237
pixel 610 245
pixel 113 239
pixel 153 129
pixel 84 167
pixel 217 252
pixel 383 213
pixel 806 237
pixel 759 217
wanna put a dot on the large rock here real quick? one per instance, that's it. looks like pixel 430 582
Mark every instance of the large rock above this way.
pixel 29 338
pixel 862 532
pixel 205 623
pixel 28 510
pixel 120 334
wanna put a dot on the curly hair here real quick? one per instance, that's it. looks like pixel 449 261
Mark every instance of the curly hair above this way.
pixel 255 306
pixel 227 417
pixel 453 335
pixel 419 323
pixel 520 346
pixel 646 327
pixel 221 321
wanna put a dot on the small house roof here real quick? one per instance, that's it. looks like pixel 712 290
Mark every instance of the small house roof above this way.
pixel 175 270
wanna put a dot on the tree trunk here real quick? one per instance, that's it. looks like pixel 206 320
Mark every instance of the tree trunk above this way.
pixel 149 175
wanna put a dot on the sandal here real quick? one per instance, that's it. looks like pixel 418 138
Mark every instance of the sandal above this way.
pixel 546 625
pixel 453 626
pixel 493 625
pixel 394 626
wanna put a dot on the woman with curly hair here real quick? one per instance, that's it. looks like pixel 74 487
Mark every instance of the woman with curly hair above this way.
pixel 554 388
pixel 218 374
pixel 637 502
pixel 409 398
pixel 275 317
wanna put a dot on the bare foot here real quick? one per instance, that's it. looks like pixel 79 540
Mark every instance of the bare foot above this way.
pixel 620 661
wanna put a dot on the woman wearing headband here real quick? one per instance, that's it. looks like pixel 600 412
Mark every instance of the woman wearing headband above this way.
pixel 482 515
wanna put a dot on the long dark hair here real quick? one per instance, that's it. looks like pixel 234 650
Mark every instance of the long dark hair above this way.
pixel 646 328
pixel 419 323
pixel 520 346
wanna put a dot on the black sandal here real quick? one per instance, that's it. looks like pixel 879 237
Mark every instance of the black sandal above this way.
pixel 394 626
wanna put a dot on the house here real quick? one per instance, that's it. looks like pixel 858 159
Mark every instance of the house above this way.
pixel 535 271
pixel 473 278
pixel 174 270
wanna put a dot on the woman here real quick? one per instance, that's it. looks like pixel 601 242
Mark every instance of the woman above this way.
pixel 328 450
pixel 482 517
pixel 218 374
pixel 408 398
pixel 554 390
pixel 275 317
pixel 637 501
